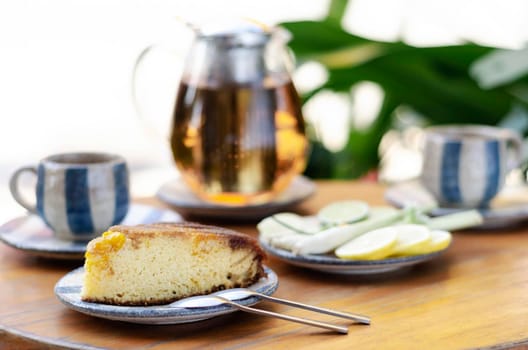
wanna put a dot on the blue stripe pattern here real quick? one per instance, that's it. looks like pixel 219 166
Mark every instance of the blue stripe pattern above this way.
pixel 492 170
pixel 121 192
pixel 450 172
pixel 41 181
pixel 78 201
pixel 41 178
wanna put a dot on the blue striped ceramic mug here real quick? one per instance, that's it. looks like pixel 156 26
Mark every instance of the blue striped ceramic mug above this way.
pixel 466 165
pixel 79 195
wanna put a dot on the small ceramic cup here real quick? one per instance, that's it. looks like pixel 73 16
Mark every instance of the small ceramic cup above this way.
pixel 79 195
pixel 465 165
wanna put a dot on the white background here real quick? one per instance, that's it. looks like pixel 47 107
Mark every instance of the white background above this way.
pixel 65 66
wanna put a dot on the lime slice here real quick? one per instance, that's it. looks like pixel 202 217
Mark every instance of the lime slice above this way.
pixel 283 224
pixel 295 223
pixel 343 212
pixel 270 228
pixel 372 245
pixel 287 242
pixel 274 222
pixel 412 239
pixel 440 240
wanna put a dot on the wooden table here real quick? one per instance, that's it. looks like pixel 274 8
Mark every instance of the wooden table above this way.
pixel 475 295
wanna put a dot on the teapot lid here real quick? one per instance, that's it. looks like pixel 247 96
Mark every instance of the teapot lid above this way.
pixel 236 32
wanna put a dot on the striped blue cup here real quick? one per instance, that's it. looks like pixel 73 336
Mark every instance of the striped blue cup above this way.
pixel 79 195
pixel 465 165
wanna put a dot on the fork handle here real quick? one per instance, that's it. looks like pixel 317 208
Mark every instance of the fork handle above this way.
pixel 358 318
pixel 329 326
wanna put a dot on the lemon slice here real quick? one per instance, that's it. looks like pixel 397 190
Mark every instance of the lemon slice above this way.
pixel 440 240
pixel 373 245
pixel 343 212
pixel 412 239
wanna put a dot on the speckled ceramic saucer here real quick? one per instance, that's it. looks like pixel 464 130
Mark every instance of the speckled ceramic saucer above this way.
pixel 30 234
pixel 332 264
pixel 178 195
pixel 509 208
pixel 68 291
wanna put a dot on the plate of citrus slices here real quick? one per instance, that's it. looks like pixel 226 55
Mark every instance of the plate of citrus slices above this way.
pixel 351 237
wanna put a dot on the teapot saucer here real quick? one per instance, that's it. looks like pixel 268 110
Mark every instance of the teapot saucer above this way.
pixel 180 197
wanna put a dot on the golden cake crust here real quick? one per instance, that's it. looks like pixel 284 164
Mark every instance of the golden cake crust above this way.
pixel 139 234
pixel 236 240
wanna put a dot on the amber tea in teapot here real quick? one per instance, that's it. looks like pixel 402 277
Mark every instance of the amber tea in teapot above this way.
pixel 248 148
pixel 237 133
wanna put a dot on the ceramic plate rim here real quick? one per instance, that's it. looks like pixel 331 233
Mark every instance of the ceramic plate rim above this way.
pixel 154 314
pixel 329 264
pixel 75 250
pixel 493 218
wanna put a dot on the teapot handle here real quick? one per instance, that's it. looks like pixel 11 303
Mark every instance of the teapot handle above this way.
pixel 156 127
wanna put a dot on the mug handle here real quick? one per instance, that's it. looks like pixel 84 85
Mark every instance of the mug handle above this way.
pixel 13 187
pixel 516 142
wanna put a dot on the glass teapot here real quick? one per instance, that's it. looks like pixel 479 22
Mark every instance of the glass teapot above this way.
pixel 237 134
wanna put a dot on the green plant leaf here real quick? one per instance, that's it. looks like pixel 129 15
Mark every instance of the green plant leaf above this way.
pixel 313 38
pixel 433 81
pixel 361 151
pixel 321 161
pixel 336 10
pixel 440 97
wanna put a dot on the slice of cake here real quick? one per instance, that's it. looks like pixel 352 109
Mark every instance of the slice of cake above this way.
pixel 160 263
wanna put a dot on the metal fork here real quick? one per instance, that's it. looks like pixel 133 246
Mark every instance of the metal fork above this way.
pixel 211 300
pixel 240 293
pixel 306 321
